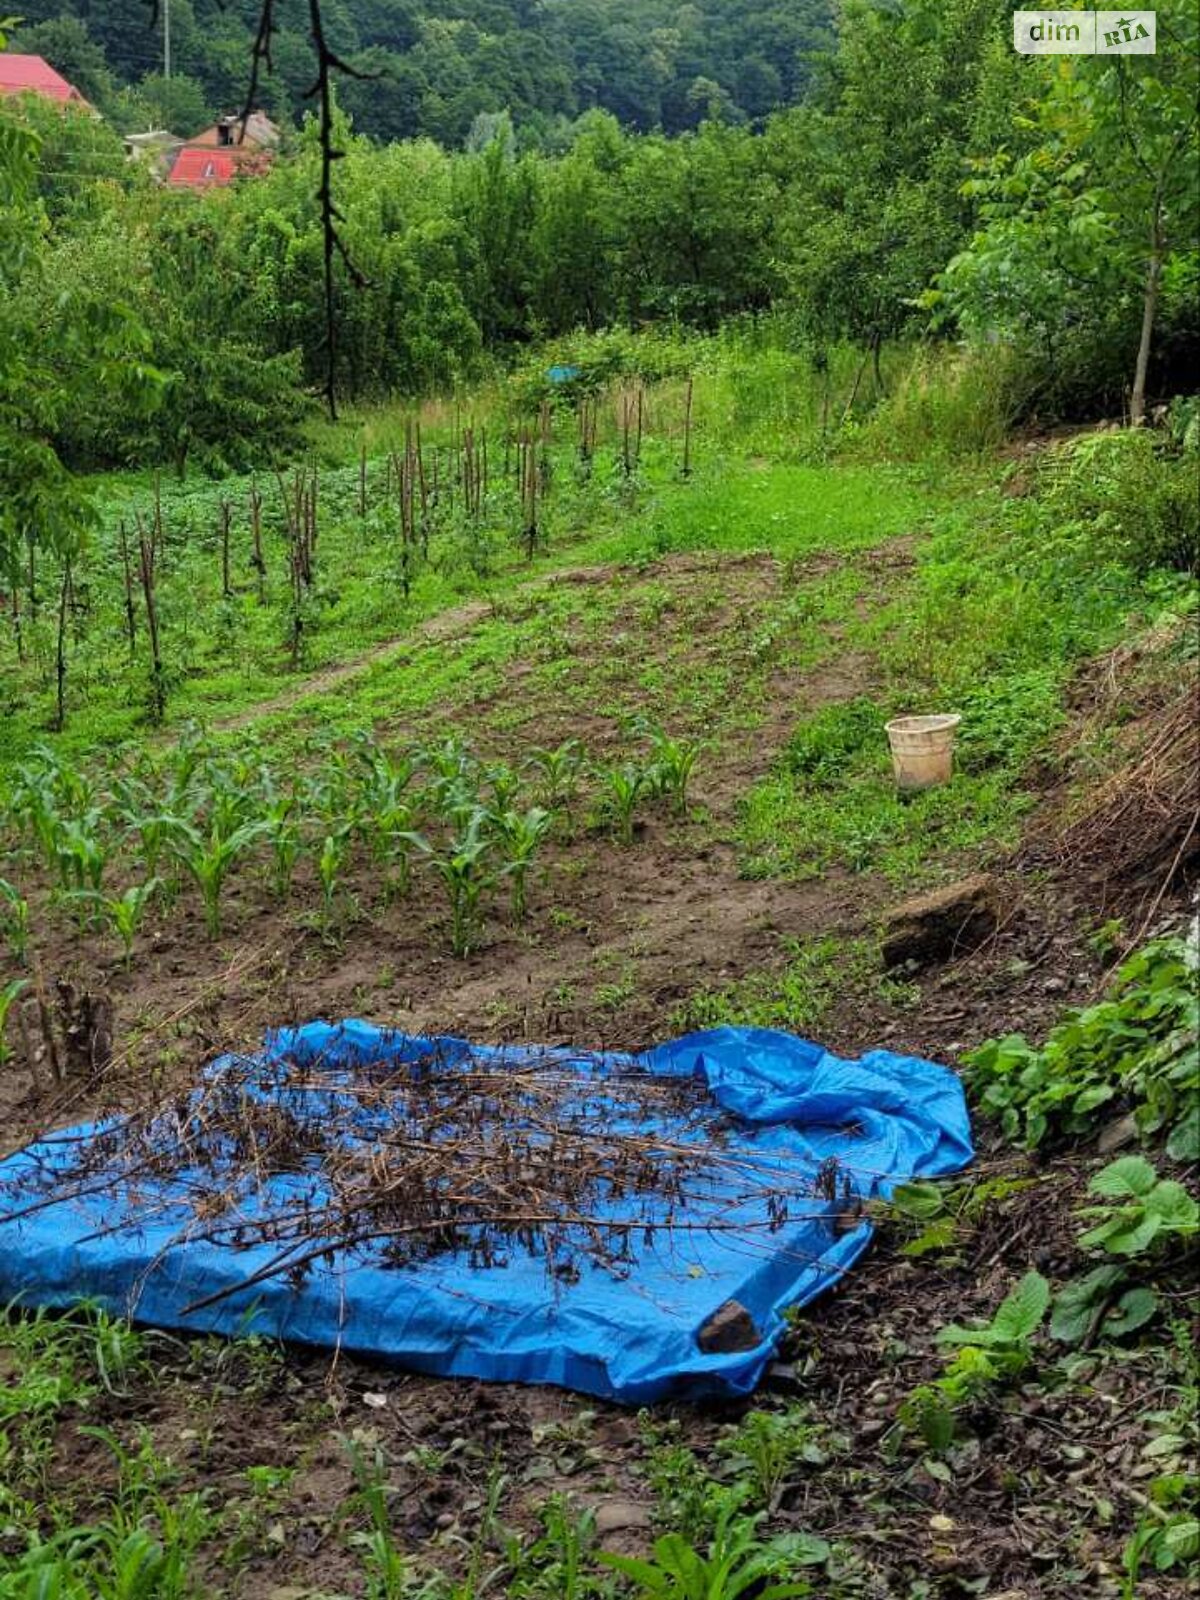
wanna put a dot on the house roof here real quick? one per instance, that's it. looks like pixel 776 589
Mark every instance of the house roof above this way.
pixel 33 75
pixel 226 134
pixel 201 169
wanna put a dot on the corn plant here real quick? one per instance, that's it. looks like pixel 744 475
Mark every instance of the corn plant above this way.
pixel 453 781
pixel 124 913
pixel 465 870
pixel 560 772
pixel 504 786
pixel 622 788
pixel 14 920
pixel 9 995
pixel 673 762
pixel 284 836
pixel 387 1572
pixel 80 855
pixel 209 857
pixel 520 833
pixel 334 849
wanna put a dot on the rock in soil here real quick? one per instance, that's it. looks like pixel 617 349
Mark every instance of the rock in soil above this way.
pixel 944 922
pixel 612 1516
pixel 730 1328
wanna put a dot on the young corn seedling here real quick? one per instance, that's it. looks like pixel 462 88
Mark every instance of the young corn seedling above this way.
pixel 673 763
pixel 467 875
pixel 622 788
pixel 14 920
pixel 504 785
pixel 9 995
pixel 80 856
pixel 334 849
pixel 521 834
pixel 123 914
pixel 284 836
pixel 560 771
pixel 209 859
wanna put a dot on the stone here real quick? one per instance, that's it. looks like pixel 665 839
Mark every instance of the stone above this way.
pixel 1117 1134
pixel 612 1516
pixel 944 922
pixel 729 1329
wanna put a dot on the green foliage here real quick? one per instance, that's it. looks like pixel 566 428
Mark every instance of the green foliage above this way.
pixel 14 920
pixel 1136 1049
pixel 467 874
pixel 123 913
pixel 1130 496
pixel 796 997
pixel 737 1562
pixel 767 1449
pixel 941 1216
pixel 1142 1211
pixel 386 1569
pixel 448 73
pixel 1085 210
pixel 984 1358
pixel 10 993
pixel 209 858
pixel 1101 1304
pixel 622 789
pixel 55 1363
pixel 520 835
pixel 821 748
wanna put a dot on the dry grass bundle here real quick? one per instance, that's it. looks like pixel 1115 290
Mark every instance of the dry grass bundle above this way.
pixel 1143 820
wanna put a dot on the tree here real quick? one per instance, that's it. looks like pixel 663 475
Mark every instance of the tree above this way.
pixel 1080 229
pixel 56 351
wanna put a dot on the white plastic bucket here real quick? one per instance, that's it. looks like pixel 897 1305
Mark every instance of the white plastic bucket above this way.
pixel 922 750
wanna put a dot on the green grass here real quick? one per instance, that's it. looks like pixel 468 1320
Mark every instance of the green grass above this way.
pixel 223 655
pixel 817 974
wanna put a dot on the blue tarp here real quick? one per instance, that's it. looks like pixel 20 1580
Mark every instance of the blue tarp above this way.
pixel 784 1114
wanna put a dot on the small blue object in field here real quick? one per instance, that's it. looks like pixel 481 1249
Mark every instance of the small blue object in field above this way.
pixel 563 374
pixel 763 1149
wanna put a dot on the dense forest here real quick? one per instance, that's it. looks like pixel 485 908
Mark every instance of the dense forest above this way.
pixel 441 67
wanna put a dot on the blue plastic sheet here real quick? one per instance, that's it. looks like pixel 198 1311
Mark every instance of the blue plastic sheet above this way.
pixel 792 1118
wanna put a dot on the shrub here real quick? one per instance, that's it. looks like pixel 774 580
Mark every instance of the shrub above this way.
pixel 1137 1048
pixel 823 746
pixel 1132 495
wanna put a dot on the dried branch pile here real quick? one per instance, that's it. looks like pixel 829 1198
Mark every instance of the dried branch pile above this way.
pixel 429 1157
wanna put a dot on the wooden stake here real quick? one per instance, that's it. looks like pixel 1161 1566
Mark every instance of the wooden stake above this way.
pixel 130 613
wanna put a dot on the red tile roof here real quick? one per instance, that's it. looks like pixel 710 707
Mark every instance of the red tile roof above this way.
pixel 200 169
pixel 32 75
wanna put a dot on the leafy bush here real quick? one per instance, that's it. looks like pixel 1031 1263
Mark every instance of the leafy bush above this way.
pixel 1133 497
pixel 1005 719
pixel 984 1357
pixel 822 747
pixel 1137 1048
pixel 1141 1210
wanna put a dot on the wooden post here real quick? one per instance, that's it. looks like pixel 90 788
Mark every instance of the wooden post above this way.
pixel 687 430
pixel 158 698
pixel 130 614
pixel 256 559
pixel 60 651
pixel 226 519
